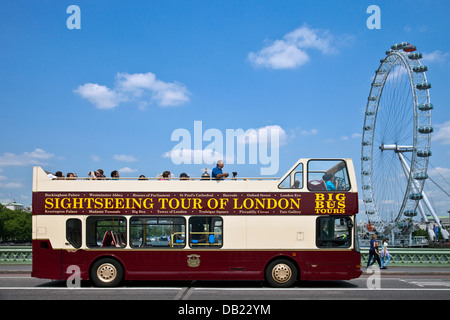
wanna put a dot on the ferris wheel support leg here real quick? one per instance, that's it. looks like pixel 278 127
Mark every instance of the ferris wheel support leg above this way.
pixel 406 170
pixel 431 234
pixel 436 218
pixel 445 234
pixel 422 212
pixel 392 236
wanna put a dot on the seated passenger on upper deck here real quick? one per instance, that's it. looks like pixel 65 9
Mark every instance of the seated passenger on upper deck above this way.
pixel 217 173
pixel 97 175
pixel 328 183
pixel 71 176
pixel 115 175
pixel 184 176
pixel 166 175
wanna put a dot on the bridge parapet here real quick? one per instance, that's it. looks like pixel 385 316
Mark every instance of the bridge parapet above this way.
pixel 413 257
pixel 15 255
pixel 399 256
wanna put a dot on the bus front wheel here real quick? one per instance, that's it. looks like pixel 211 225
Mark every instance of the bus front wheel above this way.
pixel 281 273
pixel 106 272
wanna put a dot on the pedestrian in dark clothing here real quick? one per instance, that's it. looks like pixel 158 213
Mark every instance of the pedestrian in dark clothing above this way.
pixel 373 252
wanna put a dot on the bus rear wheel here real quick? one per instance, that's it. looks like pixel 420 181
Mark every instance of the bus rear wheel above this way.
pixel 106 272
pixel 281 273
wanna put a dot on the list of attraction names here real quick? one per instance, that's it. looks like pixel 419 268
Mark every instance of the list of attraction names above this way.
pixel 194 203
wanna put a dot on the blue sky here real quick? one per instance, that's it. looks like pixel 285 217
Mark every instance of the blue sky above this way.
pixel 110 95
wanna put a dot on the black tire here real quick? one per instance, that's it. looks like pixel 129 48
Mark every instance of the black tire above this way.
pixel 281 273
pixel 107 272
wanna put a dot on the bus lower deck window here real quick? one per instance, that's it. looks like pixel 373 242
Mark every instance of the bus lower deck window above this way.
pixel 158 232
pixel 110 232
pixel 334 232
pixel 73 232
pixel 205 232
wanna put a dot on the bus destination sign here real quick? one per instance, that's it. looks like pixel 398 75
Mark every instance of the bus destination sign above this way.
pixel 194 203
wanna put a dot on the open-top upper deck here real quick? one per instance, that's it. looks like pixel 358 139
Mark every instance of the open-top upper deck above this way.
pixel 311 186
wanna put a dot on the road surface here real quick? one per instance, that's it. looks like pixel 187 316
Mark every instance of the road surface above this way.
pixel 397 283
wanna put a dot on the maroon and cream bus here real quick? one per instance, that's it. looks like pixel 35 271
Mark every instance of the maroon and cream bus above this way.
pixel 301 226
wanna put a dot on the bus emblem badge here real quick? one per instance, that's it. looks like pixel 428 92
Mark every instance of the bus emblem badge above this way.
pixel 193 260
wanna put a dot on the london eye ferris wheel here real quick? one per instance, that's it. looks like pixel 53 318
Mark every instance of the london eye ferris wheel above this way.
pixel 396 140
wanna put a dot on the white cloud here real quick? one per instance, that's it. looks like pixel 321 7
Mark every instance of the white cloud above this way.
pixel 124 158
pixel 36 157
pixel 10 185
pixel 263 135
pixel 144 88
pixel 163 93
pixel 443 133
pixel 396 73
pixel 101 96
pixel 137 82
pixel 309 132
pixel 291 51
pixel 439 171
pixel 209 156
pixel 279 55
pixel 127 170
pixel 437 189
pixel 352 136
pixel 435 56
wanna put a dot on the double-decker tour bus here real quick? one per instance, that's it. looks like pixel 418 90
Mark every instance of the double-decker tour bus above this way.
pixel 301 226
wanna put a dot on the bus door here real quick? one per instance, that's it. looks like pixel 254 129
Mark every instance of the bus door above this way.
pixel 334 258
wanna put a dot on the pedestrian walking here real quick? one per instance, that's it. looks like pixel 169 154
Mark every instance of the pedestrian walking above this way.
pixel 385 255
pixel 373 252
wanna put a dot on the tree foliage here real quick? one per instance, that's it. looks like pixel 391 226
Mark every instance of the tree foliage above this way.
pixel 15 225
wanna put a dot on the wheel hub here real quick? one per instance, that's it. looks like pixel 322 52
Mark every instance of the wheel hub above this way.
pixel 281 273
pixel 107 272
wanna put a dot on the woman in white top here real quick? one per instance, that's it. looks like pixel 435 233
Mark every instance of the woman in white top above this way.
pixel 385 256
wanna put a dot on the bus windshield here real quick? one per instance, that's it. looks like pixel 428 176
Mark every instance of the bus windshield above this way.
pixel 329 175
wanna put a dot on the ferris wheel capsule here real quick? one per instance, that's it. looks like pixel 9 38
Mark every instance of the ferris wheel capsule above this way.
pixel 399 46
pixel 426 129
pixel 424 153
pixel 423 86
pixel 425 106
pixel 421 68
pixel 421 176
pixel 415 56
pixel 410 48
pixel 416 196
pixel 410 213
